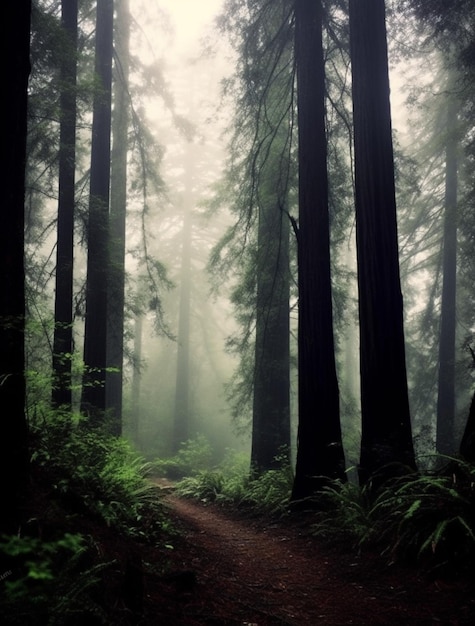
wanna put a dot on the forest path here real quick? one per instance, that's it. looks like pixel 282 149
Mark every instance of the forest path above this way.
pixel 238 571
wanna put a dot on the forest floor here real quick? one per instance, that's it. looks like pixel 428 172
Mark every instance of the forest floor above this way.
pixel 227 568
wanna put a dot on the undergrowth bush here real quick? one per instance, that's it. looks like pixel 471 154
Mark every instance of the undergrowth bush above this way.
pixel 91 471
pixel 193 456
pixel 427 518
pixel 49 582
pixel 231 483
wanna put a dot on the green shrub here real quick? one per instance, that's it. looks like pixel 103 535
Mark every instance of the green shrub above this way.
pixel 49 582
pixel 231 483
pixel 193 456
pixel 430 516
pixel 91 471
pixel 427 517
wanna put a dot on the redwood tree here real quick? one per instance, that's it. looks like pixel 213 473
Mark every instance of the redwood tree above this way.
pixel 386 424
pixel 117 237
pixel 445 438
pixel 15 70
pixel 63 311
pixel 320 451
pixel 93 401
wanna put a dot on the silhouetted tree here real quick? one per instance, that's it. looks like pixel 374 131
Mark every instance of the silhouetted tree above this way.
pixel 320 451
pixel 117 234
pixel 15 69
pixel 93 400
pixel 386 423
pixel 270 447
pixel 63 315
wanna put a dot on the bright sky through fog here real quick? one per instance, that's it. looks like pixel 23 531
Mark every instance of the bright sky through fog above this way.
pixel 190 18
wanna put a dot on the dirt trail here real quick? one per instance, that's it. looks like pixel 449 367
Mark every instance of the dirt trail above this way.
pixel 239 572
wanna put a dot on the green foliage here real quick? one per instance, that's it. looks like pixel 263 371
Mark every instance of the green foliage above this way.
pixel 427 517
pixel 345 515
pixel 48 582
pixel 96 473
pixel 193 457
pixel 231 483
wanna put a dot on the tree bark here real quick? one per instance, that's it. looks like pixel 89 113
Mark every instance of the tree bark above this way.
pixel 15 70
pixel 181 422
pixel 320 451
pixel 270 447
pixel 93 401
pixel 386 425
pixel 116 299
pixel 445 437
pixel 61 394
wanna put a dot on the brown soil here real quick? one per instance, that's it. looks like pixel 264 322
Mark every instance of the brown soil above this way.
pixel 226 569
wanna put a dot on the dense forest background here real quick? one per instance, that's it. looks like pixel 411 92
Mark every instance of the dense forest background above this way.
pixel 253 254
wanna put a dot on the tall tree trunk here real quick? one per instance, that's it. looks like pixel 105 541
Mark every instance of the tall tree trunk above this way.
pixel 271 398
pixel 181 422
pixel 116 300
pixel 386 423
pixel 136 380
pixel 271 404
pixel 61 394
pixel 15 70
pixel 320 451
pixel 93 401
pixel 445 437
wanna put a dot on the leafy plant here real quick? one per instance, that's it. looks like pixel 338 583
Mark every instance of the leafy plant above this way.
pixel 193 457
pixel 427 517
pixel 431 516
pixel 49 582
pixel 95 472
pixel 231 483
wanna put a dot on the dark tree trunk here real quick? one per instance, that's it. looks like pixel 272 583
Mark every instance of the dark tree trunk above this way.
pixel 271 404
pixel 467 446
pixel 116 300
pixel 61 394
pixel 320 451
pixel 271 386
pixel 386 424
pixel 445 438
pixel 93 401
pixel 15 70
pixel 181 422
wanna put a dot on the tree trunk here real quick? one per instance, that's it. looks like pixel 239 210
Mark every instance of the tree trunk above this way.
pixel 61 394
pixel 467 446
pixel 15 70
pixel 136 380
pixel 271 404
pixel 386 424
pixel 116 300
pixel 320 451
pixel 181 423
pixel 445 438
pixel 271 386
pixel 93 401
